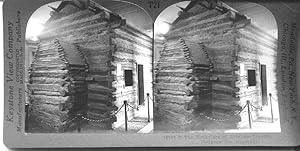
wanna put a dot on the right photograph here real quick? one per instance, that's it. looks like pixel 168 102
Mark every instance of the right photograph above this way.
pixel 215 68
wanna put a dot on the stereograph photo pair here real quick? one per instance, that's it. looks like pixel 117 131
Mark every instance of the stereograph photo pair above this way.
pixel 144 73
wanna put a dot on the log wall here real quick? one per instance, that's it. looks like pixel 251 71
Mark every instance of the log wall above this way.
pixel 255 47
pixel 209 39
pixel 131 47
pixel 57 87
pixel 106 43
pixel 91 31
pixel 225 40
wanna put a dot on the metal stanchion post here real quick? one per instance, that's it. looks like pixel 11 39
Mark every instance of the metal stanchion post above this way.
pixel 148 96
pixel 125 107
pixel 270 95
pixel 26 116
pixel 249 114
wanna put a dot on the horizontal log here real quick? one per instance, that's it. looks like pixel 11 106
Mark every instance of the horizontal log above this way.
pixel 133 40
pixel 49 62
pixel 135 32
pixel 189 71
pixel 172 92
pixel 48 121
pixel 255 30
pixel 47 93
pixel 89 39
pixel 51 67
pixel 244 94
pixel 70 18
pixel 100 78
pixel 46 44
pixel 79 23
pixel 164 54
pixel 171 123
pixel 103 101
pixel 226 105
pixel 259 40
pixel 122 60
pixel 172 79
pixel 47 54
pixel 55 100
pixel 172 74
pixel 100 97
pixel 256 45
pixel 100 61
pixel 174 67
pixel 216 28
pixel 95 116
pixel 176 108
pixel 170 42
pixel 181 59
pixel 172 86
pixel 99 88
pixel 225 77
pixel 94 69
pixel 53 59
pixel 136 52
pixel 174 49
pixel 100 106
pixel 46 80
pixel 50 71
pixel 177 99
pixel 120 42
pixel 208 39
pixel 51 109
pixel 225 88
pixel 48 87
pixel 225 97
pixel 102 26
pixel 132 37
pixel 213 20
pixel 197 17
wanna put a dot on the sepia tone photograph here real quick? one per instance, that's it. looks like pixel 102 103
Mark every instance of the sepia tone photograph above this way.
pixel 215 68
pixel 89 68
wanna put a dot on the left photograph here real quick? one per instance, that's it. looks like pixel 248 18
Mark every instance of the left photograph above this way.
pixel 88 68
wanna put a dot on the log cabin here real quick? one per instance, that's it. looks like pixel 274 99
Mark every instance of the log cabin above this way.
pixel 213 61
pixel 89 61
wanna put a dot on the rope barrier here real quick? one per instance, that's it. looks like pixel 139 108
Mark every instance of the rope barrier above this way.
pixel 118 110
pixel 273 98
pixel 259 108
pixel 214 119
pixel 150 98
pixel 102 120
pixel 135 108
pixel 95 121
pixel 80 116
pixel 224 119
pixel 239 112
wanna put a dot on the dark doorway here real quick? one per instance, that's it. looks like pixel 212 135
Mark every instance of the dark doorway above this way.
pixel 263 77
pixel 141 84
